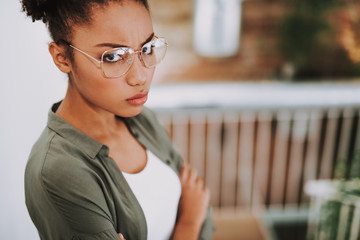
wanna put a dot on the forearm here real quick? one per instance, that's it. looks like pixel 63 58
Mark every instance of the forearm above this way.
pixel 192 206
pixel 189 231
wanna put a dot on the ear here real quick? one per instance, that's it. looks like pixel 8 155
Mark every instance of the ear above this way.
pixel 58 54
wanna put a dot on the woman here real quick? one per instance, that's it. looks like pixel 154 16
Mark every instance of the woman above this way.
pixel 104 168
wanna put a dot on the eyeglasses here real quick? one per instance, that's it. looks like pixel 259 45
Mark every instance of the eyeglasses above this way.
pixel 116 62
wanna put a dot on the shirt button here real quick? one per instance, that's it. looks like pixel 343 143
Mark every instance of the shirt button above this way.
pixel 168 162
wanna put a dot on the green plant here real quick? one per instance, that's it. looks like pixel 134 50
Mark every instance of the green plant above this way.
pixel 338 209
pixel 336 218
pixel 308 41
pixel 355 165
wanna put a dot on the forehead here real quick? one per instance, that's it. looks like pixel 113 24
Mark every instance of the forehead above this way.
pixel 126 23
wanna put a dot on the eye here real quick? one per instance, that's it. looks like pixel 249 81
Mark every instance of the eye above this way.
pixel 147 49
pixel 112 56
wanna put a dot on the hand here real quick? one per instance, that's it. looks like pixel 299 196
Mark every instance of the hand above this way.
pixel 121 236
pixel 194 199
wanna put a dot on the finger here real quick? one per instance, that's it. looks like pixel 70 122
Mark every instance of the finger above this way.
pixel 121 236
pixel 201 186
pixel 200 183
pixel 207 195
pixel 193 174
pixel 184 173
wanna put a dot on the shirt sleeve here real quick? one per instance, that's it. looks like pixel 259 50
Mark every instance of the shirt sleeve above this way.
pixel 207 228
pixel 77 194
pixel 105 235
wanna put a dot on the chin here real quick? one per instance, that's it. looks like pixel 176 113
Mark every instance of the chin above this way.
pixel 131 112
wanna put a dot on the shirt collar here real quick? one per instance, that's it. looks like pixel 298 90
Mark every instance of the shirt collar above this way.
pixel 88 145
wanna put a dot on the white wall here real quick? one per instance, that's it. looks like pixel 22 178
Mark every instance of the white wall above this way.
pixel 29 84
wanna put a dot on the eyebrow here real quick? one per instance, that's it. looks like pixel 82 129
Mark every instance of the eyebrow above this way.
pixel 115 45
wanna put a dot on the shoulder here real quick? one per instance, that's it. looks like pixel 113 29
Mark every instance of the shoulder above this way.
pixel 65 193
pixel 60 172
pixel 56 164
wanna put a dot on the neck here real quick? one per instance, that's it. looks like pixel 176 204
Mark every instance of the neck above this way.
pixel 88 118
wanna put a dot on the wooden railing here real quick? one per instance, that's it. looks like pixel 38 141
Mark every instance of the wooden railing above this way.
pixel 251 154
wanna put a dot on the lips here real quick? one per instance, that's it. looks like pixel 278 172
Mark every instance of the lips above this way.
pixel 138 99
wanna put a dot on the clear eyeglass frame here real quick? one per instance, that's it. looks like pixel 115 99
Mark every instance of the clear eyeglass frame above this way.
pixel 117 68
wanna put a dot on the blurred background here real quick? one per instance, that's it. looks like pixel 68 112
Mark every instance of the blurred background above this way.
pixel 260 96
pixel 282 40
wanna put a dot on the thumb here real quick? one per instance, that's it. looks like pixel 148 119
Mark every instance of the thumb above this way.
pixel 121 236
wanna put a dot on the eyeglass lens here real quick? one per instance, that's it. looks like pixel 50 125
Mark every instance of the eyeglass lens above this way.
pixel 116 62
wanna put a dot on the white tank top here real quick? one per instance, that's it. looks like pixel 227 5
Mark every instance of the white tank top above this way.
pixel 157 188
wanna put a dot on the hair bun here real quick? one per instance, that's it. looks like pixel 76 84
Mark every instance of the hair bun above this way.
pixel 37 9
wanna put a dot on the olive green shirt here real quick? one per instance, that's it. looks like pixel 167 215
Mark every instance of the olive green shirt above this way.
pixel 74 190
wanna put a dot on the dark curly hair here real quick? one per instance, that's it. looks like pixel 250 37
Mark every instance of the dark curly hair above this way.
pixel 61 15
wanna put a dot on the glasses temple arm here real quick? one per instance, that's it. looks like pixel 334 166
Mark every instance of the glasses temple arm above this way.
pixel 99 62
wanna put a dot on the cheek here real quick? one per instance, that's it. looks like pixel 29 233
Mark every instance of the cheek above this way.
pixel 85 69
pixel 151 72
pixel 91 82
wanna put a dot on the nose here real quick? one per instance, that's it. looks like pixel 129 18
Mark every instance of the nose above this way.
pixel 136 76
